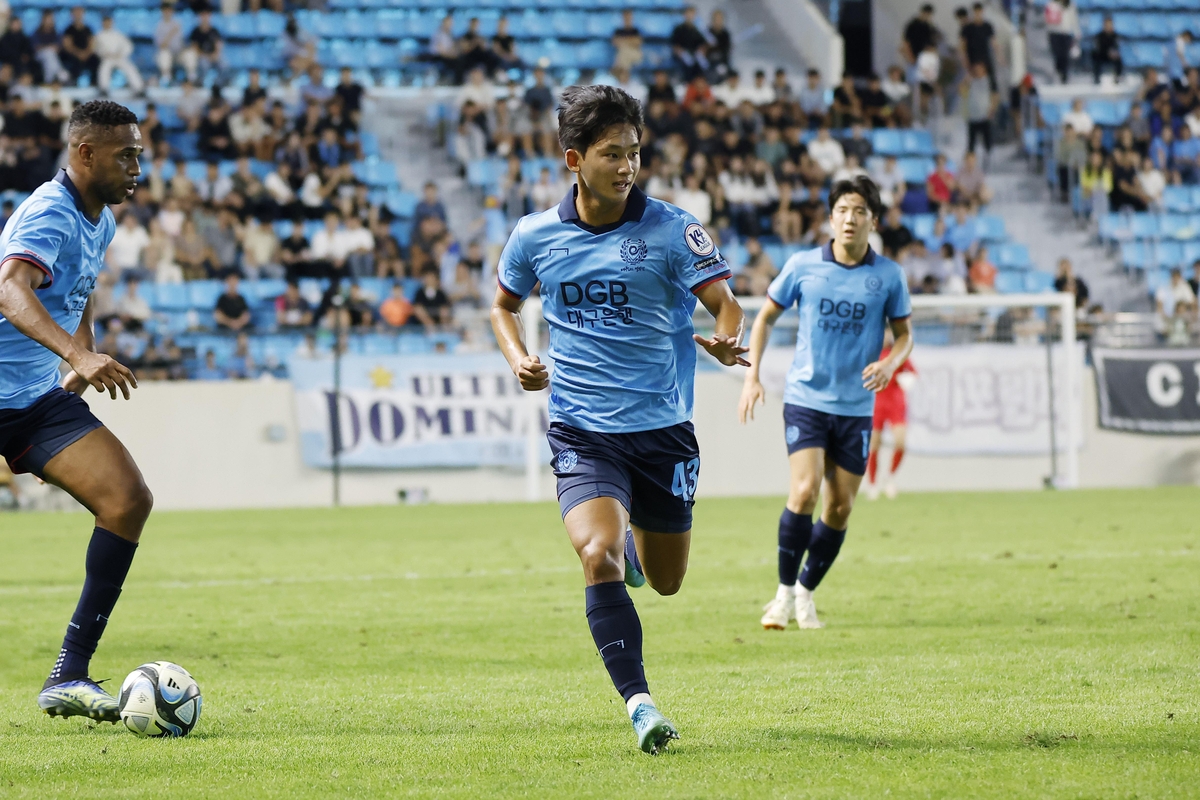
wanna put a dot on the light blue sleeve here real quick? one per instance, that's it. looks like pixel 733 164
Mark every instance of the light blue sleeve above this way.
pixel 899 304
pixel 38 237
pixel 784 291
pixel 515 272
pixel 693 254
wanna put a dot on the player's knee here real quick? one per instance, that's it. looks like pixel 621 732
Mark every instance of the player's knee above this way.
pixel 668 586
pixel 804 491
pixel 132 505
pixel 599 560
pixel 838 511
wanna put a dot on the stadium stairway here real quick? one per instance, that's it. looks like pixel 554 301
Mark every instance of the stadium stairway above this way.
pixel 1050 231
pixel 758 42
pixel 402 122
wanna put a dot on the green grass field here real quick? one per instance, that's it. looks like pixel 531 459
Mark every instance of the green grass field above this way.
pixel 978 645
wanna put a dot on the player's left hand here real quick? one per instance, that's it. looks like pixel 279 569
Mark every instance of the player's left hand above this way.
pixel 724 349
pixel 877 376
pixel 75 383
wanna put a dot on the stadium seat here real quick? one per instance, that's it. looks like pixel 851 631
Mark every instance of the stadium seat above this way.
pixel 1037 281
pixel 1177 198
pixel 1168 254
pixel 203 294
pixel 171 297
pixel 1010 282
pixel 1191 252
pixel 919 143
pixel 1177 226
pixel 1011 256
pixel 989 228
pixel 1134 256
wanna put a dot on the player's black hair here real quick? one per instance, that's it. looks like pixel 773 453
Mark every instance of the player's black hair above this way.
pixel 98 114
pixel 585 112
pixel 862 186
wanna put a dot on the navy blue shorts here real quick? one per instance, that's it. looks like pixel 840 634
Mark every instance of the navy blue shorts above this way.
pixel 30 437
pixel 846 440
pixel 652 473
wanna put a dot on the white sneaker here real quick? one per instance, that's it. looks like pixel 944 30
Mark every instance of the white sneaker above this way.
pixel 890 490
pixel 778 613
pixel 806 611
pixel 872 491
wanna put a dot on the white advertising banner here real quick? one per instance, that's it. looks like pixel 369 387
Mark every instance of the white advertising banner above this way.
pixel 980 399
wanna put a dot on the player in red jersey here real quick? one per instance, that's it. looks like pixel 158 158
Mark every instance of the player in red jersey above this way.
pixel 891 408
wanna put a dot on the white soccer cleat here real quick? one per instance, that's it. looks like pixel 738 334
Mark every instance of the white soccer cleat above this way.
pixel 806 611
pixel 872 492
pixel 890 490
pixel 778 613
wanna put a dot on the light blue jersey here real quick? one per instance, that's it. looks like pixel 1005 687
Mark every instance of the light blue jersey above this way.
pixel 843 311
pixel 619 301
pixel 51 230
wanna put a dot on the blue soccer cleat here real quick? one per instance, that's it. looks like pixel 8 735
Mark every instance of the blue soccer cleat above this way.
pixel 652 728
pixel 81 697
pixel 633 568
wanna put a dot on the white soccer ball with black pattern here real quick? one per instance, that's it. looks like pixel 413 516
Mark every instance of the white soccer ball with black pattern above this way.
pixel 160 699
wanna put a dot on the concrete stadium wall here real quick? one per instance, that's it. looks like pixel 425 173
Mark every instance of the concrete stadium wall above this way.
pixel 812 35
pixel 217 445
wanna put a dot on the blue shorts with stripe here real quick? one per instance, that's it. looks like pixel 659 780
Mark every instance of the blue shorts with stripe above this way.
pixel 652 473
pixel 30 437
pixel 845 440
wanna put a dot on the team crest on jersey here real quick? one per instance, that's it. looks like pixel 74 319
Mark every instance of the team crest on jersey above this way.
pixel 567 460
pixel 634 251
pixel 873 283
pixel 698 240
pixel 792 433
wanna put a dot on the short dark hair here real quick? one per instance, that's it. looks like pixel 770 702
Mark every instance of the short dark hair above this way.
pixel 98 114
pixel 927 8
pixel 862 186
pixel 585 112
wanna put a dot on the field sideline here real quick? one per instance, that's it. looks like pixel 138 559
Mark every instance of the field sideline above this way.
pixel 978 645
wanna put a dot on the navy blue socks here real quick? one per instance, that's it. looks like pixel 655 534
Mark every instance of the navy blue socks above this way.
pixel 108 560
pixel 795 531
pixel 822 551
pixel 617 632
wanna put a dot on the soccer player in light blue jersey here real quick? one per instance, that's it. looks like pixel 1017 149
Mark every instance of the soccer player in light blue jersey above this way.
pixel 620 274
pixel 846 294
pixel 50 253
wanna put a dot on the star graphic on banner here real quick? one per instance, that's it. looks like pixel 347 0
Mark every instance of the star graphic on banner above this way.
pixel 381 378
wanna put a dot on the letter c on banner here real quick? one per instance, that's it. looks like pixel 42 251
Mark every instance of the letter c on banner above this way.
pixel 1164 384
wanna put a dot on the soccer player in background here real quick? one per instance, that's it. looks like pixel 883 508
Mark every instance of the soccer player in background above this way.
pixel 620 274
pixel 846 295
pixel 52 250
pixel 891 409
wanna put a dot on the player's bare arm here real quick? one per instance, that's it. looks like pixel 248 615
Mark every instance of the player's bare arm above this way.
pixel 726 342
pixel 752 390
pixel 85 338
pixel 19 280
pixel 510 335
pixel 878 375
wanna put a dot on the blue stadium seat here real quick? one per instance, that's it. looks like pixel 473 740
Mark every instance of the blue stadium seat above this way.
pixel 402 204
pixel 184 145
pixel 1168 254
pixel 1177 198
pixel 376 172
pixel 376 289
pixel 915 170
pixel 1134 256
pixel 1191 252
pixel 270 288
pixel 1128 26
pixel 921 225
pixel 1010 282
pixel 1037 281
pixel 1109 113
pixel 1144 226
pixel 919 143
pixel 203 294
pixel 990 228
pixel 887 142
pixel 1011 256
pixel 171 297
pixel 1177 226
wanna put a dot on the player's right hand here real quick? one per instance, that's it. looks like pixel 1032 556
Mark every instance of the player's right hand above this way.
pixel 104 374
pixel 752 395
pixel 532 374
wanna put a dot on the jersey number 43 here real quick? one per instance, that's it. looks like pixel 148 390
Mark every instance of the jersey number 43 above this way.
pixel 686 476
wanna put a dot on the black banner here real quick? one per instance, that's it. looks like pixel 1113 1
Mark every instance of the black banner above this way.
pixel 1148 391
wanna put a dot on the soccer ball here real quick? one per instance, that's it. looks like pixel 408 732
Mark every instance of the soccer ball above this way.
pixel 160 699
